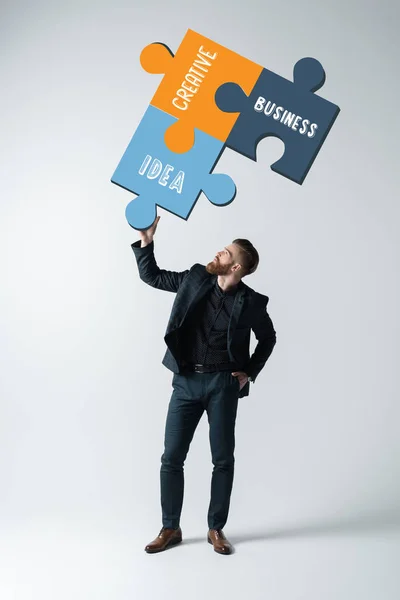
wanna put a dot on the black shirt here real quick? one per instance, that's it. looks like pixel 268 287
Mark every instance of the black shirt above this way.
pixel 205 339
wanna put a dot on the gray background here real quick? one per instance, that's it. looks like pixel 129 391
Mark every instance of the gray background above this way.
pixel 314 510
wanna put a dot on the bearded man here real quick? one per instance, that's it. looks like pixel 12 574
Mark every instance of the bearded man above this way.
pixel 208 343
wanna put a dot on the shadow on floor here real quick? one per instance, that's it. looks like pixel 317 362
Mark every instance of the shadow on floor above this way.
pixel 367 523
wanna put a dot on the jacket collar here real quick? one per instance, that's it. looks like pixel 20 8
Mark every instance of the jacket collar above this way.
pixel 210 281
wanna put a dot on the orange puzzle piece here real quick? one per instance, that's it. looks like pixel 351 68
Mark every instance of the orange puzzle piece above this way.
pixel 191 78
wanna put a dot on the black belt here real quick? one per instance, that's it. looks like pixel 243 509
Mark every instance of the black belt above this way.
pixel 198 368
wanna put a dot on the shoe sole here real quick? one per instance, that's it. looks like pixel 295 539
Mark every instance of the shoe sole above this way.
pixel 170 543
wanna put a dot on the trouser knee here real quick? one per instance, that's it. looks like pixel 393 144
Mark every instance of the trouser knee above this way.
pixel 224 464
pixel 172 460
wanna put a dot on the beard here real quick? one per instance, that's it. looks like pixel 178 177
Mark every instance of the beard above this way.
pixel 215 268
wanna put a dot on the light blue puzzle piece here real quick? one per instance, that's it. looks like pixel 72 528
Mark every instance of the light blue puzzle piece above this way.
pixel 163 178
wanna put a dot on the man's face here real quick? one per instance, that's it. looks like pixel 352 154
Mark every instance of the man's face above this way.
pixel 224 260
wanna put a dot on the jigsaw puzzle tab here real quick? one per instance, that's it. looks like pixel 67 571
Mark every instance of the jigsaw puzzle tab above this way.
pixel 163 178
pixel 284 109
pixel 190 81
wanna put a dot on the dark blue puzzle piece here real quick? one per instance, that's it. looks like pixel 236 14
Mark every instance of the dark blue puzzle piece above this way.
pixel 284 109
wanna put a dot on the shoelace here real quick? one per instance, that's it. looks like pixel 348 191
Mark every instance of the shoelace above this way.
pixel 217 532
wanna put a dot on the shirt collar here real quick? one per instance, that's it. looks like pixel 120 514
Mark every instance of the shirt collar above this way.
pixel 221 292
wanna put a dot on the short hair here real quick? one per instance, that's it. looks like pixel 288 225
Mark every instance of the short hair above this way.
pixel 249 257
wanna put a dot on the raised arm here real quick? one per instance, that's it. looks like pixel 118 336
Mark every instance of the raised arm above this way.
pixel 149 271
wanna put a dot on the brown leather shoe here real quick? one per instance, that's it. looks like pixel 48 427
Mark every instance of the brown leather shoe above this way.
pixel 166 537
pixel 217 538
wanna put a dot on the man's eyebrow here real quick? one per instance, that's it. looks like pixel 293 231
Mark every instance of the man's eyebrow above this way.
pixel 230 253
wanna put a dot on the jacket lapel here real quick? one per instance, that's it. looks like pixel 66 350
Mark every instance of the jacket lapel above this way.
pixel 236 312
pixel 199 293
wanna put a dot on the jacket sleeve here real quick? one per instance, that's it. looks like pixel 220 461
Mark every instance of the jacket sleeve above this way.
pixel 265 333
pixel 150 273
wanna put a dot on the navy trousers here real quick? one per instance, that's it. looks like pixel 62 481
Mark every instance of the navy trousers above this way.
pixel 193 393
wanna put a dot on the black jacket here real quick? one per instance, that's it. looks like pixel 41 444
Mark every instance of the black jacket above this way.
pixel 249 313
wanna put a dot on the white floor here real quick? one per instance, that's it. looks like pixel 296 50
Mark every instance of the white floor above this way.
pixel 343 560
